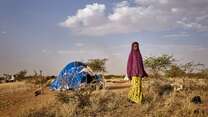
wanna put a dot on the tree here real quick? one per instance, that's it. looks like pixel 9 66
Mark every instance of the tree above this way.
pixel 158 63
pixel 21 75
pixel 174 71
pixel 203 73
pixel 7 76
pixel 191 66
pixel 97 65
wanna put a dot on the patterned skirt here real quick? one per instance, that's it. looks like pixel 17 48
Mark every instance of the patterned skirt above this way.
pixel 135 92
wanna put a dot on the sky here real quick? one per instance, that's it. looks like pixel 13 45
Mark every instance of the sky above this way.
pixel 48 34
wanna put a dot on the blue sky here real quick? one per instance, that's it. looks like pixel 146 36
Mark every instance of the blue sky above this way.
pixel 47 34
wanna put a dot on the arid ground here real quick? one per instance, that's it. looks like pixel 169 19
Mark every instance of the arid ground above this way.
pixel 162 98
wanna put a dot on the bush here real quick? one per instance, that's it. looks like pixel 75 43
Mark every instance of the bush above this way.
pixel 174 71
pixel 157 64
pixel 21 75
pixel 191 67
pixel 65 97
pixel 204 73
pixel 97 65
pixel 81 97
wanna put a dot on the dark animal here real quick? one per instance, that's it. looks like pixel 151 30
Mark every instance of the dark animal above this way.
pixel 196 100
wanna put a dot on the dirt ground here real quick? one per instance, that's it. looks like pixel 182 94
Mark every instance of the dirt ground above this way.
pixel 18 96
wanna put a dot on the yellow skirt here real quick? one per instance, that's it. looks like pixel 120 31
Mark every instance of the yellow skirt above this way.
pixel 135 92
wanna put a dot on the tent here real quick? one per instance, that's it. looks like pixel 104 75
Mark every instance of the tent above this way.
pixel 73 75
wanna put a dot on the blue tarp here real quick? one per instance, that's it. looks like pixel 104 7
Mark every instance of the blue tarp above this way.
pixel 71 76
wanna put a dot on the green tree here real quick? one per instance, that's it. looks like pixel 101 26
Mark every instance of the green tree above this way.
pixel 97 65
pixel 158 63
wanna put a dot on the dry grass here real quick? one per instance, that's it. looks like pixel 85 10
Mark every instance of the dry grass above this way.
pixel 113 102
pixel 10 93
pixel 14 87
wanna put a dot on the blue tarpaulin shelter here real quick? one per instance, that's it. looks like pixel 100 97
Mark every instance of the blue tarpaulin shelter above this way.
pixel 72 76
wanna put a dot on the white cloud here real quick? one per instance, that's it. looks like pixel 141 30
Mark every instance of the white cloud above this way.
pixel 144 15
pixel 192 25
pixel 70 52
pixel 44 51
pixel 175 35
pixel 174 10
pixel 149 2
pixel 3 32
pixel 116 54
pixel 79 44
pixel 122 4
pixel 90 16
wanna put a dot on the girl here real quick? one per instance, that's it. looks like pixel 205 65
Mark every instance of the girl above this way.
pixel 135 72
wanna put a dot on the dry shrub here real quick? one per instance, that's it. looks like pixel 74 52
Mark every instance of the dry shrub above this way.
pixel 160 88
pixel 42 112
pixel 99 103
pixel 106 101
pixel 65 97
pixel 87 103
pixel 79 100
pixel 177 103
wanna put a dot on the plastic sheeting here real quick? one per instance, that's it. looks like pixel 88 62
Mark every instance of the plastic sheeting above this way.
pixel 72 76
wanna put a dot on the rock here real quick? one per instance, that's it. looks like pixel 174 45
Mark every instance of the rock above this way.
pixel 38 92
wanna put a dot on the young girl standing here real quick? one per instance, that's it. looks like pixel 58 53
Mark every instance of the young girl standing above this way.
pixel 135 72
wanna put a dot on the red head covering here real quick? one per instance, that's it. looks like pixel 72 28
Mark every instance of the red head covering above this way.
pixel 135 65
